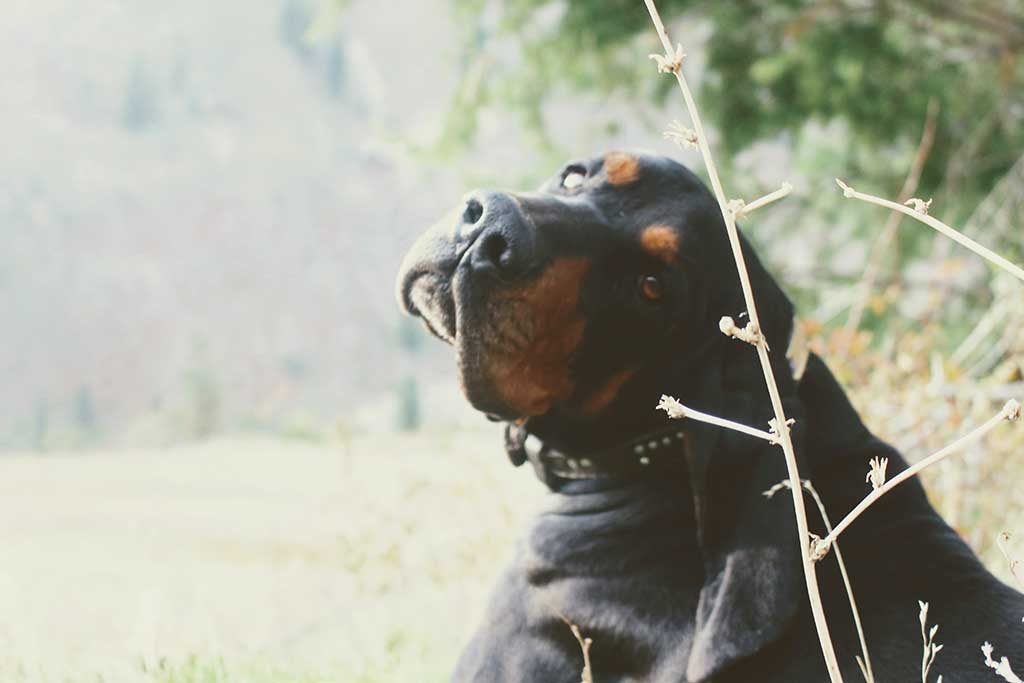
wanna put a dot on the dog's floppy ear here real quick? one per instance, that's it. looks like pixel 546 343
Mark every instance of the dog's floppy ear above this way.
pixel 753 581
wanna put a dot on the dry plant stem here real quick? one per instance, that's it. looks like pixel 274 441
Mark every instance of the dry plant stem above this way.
pixel 865 662
pixel 677 410
pixel 869 674
pixel 980 332
pixel 1002 667
pixel 938 225
pixel 929 648
pixel 587 675
pixel 753 206
pixel 1001 540
pixel 878 249
pixel 1011 411
pixel 810 577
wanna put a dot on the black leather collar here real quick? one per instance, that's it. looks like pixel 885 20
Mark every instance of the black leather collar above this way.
pixel 643 456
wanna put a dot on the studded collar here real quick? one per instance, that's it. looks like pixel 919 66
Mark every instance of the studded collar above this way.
pixel 642 456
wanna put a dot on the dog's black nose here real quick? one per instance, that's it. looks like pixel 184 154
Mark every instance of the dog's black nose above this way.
pixel 501 236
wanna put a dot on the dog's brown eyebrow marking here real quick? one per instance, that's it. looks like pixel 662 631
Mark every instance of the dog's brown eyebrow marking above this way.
pixel 621 168
pixel 661 242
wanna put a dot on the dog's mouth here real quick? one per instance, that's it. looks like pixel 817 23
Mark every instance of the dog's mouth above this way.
pixel 483 281
pixel 513 343
pixel 429 297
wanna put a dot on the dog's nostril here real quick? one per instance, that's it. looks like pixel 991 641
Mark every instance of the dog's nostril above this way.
pixel 494 250
pixel 474 210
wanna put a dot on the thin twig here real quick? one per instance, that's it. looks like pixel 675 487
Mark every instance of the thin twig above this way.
pixel 863 662
pixel 865 665
pixel 587 675
pixel 1001 540
pixel 988 322
pixel 922 215
pixel 743 209
pixel 677 410
pixel 672 62
pixel 1011 411
pixel 878 249
pixel 1002 667
pixel 929 647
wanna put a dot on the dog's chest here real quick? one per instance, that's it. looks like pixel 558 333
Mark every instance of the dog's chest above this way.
pixel 628 574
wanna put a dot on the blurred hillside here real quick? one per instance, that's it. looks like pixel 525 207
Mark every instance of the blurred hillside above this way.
pixel 205 207
pixel 202 212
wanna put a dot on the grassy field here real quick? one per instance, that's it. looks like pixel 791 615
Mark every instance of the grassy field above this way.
pixel 258 561
pixel 273 561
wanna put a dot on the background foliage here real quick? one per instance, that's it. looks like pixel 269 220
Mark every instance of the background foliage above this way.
pixel 840 87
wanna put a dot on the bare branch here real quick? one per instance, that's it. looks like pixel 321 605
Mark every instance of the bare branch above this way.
pixel 673 59
pixel 863 662
pixel 930 647
pixel 747 209
pixel 678 411
pixel 949 232
pixel 1002 667
pixel 1011 411
pixel 1001 540
pixel 879 247
pixel 587 675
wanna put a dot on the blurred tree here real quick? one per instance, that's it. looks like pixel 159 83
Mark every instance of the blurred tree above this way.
pixel 292 26
pixel 202 395
pixel 41 423
pixel 410 340
pixel 409 417
pixel 140 100
pixel 85 413
pixel 772 67
pixel 334 68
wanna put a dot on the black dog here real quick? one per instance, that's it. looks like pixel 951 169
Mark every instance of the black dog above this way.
pixel 572 310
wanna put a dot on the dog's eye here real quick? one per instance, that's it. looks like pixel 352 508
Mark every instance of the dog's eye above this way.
pixel 651 288
pixel 574 177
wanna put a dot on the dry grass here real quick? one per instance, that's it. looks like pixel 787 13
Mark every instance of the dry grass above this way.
pixel 254 560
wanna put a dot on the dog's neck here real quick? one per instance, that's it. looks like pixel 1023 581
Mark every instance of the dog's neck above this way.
pixel 634 443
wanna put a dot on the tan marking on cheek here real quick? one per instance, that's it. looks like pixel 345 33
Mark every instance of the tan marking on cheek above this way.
pixel 622 169
pixel 535 374
pixel 661 242
pixel 606 393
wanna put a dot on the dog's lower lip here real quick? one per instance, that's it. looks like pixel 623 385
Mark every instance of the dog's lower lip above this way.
pixel 424 300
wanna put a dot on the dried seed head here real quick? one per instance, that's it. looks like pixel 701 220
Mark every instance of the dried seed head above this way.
pixel 681 135
pixel 750 334
pixel 819 547
pixel 876 475
pixel 919 205
pixel 672 407
pixel 671 62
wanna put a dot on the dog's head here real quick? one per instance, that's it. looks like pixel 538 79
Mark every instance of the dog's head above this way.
pixel 579 304
pixel 558 300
